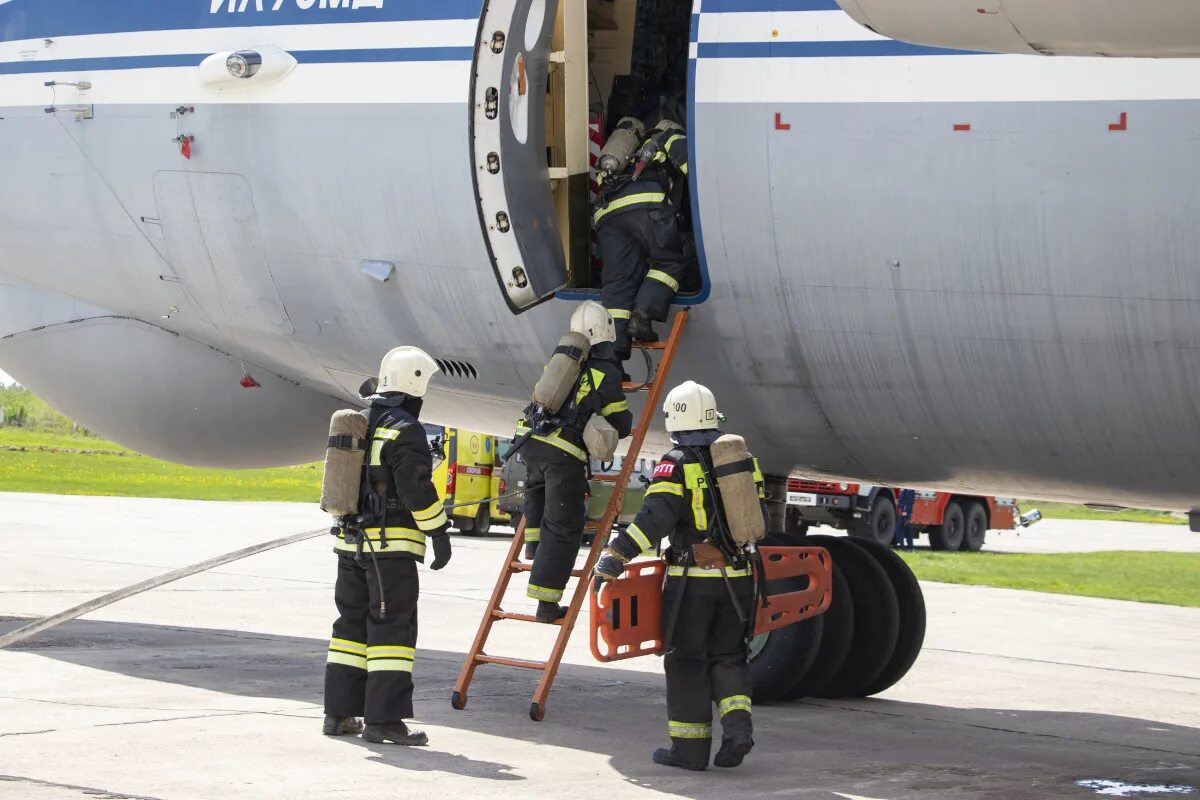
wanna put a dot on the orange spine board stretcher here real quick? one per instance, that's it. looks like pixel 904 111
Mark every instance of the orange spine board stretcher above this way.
pixel 780 563
pixel 626 618
pixel 627 613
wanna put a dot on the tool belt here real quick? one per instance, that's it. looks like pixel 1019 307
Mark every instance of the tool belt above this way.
pixel 702 556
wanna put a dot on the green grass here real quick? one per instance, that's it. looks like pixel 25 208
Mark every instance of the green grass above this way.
pixel 1068 511
pixel 1146 577
pixel 52 463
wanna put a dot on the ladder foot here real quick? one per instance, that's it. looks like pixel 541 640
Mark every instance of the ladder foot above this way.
pixel 458 701
pixel 537 712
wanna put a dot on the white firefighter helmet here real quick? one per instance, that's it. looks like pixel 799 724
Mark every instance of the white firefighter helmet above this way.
pixel 406 369
pixel 593 321
pixel 691 407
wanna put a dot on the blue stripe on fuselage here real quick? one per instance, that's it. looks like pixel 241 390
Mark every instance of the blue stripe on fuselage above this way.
pixel 854 49
pixel 194 59
pixel 734 6
pixel 47 19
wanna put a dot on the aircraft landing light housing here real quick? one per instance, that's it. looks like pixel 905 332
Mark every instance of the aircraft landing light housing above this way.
pixel 239 69
pixel 1148 29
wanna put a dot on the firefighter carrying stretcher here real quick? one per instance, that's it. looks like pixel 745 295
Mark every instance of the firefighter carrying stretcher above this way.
pixel 709 590
pixel 645 253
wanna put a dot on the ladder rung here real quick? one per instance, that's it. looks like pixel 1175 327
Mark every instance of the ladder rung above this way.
pixel 520 566
pixel 577 573
pixel 662 345
pixel 521 617
pixel 523 663
pixel 634 386
pixel 592 525
pixel 606 478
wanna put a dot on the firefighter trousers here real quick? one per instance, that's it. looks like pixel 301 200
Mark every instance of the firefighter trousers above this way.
pixel 707 663
pixel 369 668
pixel 555 510
pixel 646 258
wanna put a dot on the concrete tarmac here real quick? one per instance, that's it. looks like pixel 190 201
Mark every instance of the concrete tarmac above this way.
pixel 211 687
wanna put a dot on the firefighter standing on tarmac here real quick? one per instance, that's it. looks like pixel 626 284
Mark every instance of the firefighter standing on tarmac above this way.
pixel 708 595
pixel 557 485
pixel 369 667
pixel 645 254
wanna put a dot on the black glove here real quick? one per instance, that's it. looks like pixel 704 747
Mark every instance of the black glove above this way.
pixel 610 566
pixel 441 547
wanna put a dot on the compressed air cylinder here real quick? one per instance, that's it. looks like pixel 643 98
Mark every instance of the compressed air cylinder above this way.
pixel 560 374
pixel 620 147
pixel 734 470
pixel 344 463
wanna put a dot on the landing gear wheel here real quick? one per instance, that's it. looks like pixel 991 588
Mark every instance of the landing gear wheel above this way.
pixel 536 712
pixel 948 535
pixel 974 527
pixel 912 617
pixel 483 521
pixel 876 618
pixel 837 635
pixel 780 657
pixel 458 701
pixel 879 525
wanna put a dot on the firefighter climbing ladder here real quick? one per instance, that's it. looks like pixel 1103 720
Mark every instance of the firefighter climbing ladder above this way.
pixel 513 565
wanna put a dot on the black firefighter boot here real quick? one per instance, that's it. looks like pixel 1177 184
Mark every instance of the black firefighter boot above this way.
pixel 394 732
pixel 669 758
pixel 548 612
pixel 733 750
pixel 336 726
pixel 640 328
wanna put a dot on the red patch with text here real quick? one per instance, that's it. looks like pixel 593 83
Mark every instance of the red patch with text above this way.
pixel 665 469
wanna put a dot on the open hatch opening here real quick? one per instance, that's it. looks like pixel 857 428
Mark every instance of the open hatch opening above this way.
pixel 612 59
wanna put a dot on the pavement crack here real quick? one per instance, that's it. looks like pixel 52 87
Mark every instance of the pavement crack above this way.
pixel 1064 664
pixel 100 794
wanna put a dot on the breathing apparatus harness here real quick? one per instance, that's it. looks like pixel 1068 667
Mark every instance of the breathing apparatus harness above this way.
pixel 642 159
pixel 720 538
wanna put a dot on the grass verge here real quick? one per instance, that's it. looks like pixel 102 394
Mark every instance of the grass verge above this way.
pixel 59 463
pixel 1068 511
pixel 1144 577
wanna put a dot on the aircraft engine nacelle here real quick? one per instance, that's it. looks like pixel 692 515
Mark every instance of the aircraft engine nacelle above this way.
pixel 1152 28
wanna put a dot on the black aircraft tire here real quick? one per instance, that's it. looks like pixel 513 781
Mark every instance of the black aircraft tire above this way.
pixel 836 638
pixel 876 617
pixel 786 653
pixel 912 618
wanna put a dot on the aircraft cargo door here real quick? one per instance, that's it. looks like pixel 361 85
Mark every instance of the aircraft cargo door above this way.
pixel 516 205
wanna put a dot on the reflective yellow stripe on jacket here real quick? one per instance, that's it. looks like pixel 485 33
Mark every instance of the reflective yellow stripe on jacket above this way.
pixel 554 440
pixel 697 572
pixel 405 540
pixel 694 480
pixel 641 198
pixel 430 518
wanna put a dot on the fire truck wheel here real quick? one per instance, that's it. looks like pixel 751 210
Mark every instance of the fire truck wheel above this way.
pixel 836 638
pixel 975 524
pixel 779 657
pixel 948 535
pixel 912 617
pixel 876 617
pixel 880 524
pixel 462 524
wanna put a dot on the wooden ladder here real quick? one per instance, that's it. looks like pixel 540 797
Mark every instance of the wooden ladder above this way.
pixel 513 565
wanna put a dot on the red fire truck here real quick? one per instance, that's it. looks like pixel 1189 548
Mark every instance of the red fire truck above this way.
pixel 952 521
